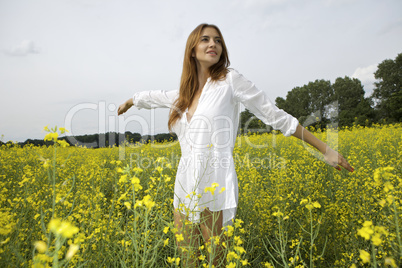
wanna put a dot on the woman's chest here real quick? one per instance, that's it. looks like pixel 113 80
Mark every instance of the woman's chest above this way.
pixel 215 102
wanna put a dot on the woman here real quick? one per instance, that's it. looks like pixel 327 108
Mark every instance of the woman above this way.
pixel 204 114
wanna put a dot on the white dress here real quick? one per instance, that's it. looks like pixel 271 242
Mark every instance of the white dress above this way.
pixel 207 141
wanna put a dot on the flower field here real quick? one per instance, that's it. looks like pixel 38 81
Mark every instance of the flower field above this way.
pixel 112 207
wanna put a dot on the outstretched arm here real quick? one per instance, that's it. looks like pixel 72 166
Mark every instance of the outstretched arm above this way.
pixel 125 106
pixel 150 100
pixel 331 156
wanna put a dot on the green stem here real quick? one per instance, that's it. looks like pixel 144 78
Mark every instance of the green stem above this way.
pixel 54 179
pixel 373 256
pixel 398 234
pixel 311 240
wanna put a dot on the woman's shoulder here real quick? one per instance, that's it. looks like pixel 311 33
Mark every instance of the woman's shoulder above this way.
pixel 231 74
pixel 234 77
pixel 233 71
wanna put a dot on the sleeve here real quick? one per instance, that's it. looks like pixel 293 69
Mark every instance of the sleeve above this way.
pixel 261 106
pixel 155 99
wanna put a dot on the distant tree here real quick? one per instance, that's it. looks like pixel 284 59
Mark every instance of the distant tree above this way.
pixel 250 123
pixel 309 102
pixel 353 107
pixel 321 95
pixel 280 103
pixel 298 102
pixel 388 91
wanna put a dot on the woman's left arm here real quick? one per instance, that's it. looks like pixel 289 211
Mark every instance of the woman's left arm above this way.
pixel 331 156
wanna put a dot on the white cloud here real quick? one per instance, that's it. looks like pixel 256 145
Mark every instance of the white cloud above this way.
pixel 366 76
pixel 26 47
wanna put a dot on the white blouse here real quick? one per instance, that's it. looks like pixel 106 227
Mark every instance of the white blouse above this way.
pixel 206 176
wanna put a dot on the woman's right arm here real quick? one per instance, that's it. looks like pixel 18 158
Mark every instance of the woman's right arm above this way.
pixel 149 100
pixel 125 106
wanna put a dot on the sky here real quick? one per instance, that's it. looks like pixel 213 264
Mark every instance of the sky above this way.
pixel 72 63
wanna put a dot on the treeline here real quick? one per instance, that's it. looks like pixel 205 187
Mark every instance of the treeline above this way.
pixel 109 139
pixel 342 103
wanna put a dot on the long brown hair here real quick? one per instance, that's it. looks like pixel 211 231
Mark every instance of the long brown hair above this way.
pixel 189 77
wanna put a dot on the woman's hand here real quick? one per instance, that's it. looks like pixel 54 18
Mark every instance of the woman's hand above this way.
pixel 125 106
pixel 336 160
pixel 332 157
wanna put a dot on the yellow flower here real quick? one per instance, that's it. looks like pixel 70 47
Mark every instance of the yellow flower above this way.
pixel 128 205
pixel 222 190
pixel 177 261
pixel 390 262
pixel 210 189
pixel 63 130
pixel 232 255
pixel 238 240
pixel 238 223
pixel 381 230
pixel 63 143
pixel 71 251
pixel 366 231
pixel 365 256
pixel 51 136
pixel 137 169
pixel 135 180
pixel 123 179
pixel 40 246
pixel 148 202
pixel 138 203
pixel 390 199
pixel 367 223
pixel 170 260
pixel 316 204
pixel 304 201
pixel 240 250
pixel 62 228
pixel 277 214
pixel 388 186
pixel 309 206
pixel 166 229
pixel 376 239
pixel 229 231
pixel 268 265
pixel 5 241
pixel 231 265
pixel 166 242
pixel 244 262
pixel 179 237
pixel 159 169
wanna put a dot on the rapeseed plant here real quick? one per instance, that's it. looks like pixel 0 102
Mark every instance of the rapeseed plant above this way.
pixel 109 211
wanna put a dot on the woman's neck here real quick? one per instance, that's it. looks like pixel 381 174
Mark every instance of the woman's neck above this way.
pixel 203 75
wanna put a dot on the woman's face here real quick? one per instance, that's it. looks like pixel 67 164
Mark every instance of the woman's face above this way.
pixel 209 48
